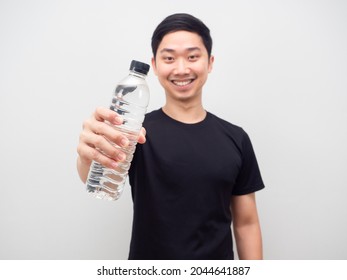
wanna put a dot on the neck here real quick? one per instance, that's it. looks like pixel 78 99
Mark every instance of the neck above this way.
pixel 186 113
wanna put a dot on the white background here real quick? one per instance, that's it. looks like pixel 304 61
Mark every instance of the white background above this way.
pixel 280 73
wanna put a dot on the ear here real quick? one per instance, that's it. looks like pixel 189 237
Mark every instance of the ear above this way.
pixel 154 66
pixel 210 63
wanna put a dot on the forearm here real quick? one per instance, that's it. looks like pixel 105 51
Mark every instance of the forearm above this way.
pixel 249 241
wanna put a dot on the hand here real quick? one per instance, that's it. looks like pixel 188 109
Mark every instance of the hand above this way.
pixel 94 141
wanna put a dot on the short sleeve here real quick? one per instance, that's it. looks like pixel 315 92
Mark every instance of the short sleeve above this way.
pixel 249 178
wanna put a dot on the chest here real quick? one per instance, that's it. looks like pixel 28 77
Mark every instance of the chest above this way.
pixel 198 156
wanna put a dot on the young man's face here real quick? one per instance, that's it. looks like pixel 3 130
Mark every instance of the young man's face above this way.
pixel 182 65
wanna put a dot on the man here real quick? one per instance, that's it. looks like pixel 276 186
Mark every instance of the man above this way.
pixel 195 173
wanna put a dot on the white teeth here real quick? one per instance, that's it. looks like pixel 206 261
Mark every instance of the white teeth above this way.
pixel 182 83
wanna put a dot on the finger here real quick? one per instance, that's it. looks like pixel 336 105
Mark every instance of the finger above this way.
pixel 142 136
pixel 107 148
pixel 103 145
pixel 87 152
pixel 108 131
pixel 103 114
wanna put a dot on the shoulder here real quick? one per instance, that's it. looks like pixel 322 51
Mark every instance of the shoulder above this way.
pixel 224 123
pixel 152 114
pixel 235 131
pixel 152 117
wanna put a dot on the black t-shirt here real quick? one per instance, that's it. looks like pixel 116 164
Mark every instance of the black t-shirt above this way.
pixel 182 180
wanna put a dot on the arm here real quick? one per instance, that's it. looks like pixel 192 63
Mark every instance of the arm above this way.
pixel 93 143
pixel 246 227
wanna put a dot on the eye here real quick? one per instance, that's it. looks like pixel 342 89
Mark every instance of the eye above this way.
pixel 168 59
pixel 193 57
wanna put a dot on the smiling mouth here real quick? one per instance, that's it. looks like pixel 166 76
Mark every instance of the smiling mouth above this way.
pixel 182 83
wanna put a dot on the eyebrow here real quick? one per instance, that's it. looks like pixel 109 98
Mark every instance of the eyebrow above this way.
pixel 172 50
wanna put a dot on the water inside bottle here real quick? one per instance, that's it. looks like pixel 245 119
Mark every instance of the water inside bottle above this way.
pixel 108 183
pixel 130 101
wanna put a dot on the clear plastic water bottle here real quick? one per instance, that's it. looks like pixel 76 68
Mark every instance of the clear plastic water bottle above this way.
pixel 130 101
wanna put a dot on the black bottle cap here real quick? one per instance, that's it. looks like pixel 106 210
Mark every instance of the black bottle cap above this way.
pixel 139 67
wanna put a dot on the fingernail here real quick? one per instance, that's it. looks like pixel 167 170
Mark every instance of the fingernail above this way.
pixel 121 156
pixel 124 142
pixel 118 120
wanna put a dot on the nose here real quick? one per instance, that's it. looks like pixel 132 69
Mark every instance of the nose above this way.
pixel 181 67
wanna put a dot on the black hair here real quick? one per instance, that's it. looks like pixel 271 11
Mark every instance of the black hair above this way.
pixel 178 22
